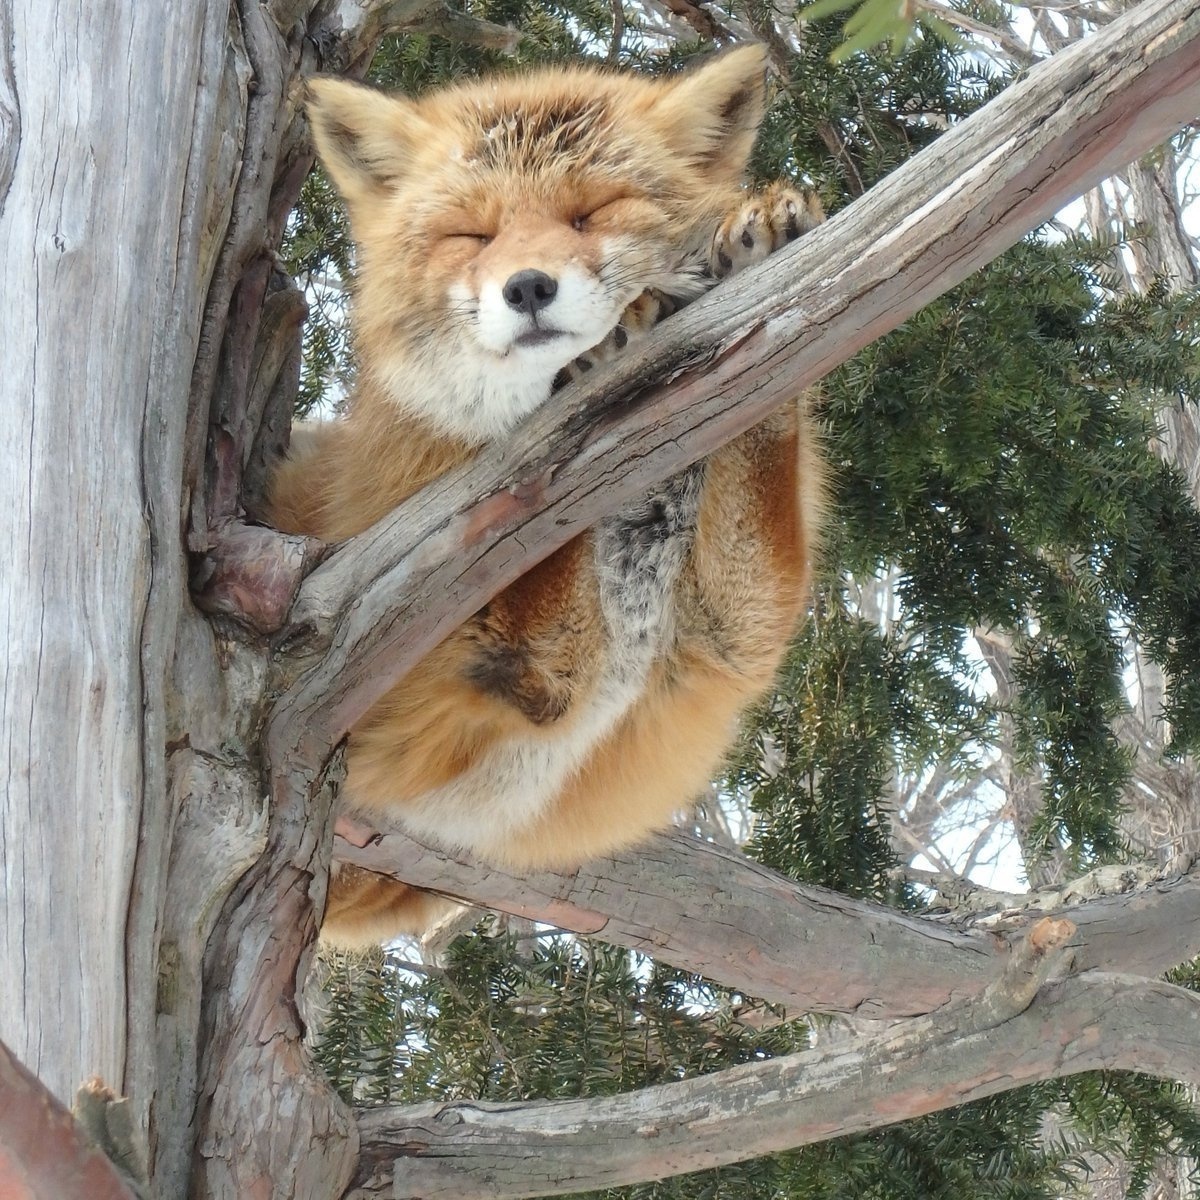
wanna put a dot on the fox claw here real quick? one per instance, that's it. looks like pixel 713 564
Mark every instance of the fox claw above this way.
pixel 768 220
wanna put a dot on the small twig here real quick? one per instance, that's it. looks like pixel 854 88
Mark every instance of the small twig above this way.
pixel 960 896
pixel 701 20
pixel 472 31
pixel 839 147
pixel 1044 953
pixel 416 968
pixel 1011 46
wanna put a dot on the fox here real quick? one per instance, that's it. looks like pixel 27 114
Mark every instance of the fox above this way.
pixel 511 233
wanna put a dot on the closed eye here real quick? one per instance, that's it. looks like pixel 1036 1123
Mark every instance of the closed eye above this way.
pixel 481 238
pixel 583 220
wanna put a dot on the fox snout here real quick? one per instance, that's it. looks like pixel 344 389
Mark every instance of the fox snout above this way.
pixel 529 291
pixel 536 289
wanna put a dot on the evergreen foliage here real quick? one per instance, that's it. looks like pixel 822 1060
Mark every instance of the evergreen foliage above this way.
pixel 995 454
pixel 995 449
pixel 815 773
pixel 548 1016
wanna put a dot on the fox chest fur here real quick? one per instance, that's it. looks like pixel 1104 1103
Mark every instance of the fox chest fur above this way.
pixel 509 230
pixel 618 592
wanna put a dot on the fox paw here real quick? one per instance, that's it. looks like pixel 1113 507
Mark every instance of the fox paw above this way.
pixel 639 317
pixel 768 220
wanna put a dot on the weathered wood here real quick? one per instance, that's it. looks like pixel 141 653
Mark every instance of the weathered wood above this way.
pixel 713 911
pixel 10 116
pixel 301 1142
pixel 707 909
pixel 43 1151
pixel 99 327
pixel 473 1150
pixel 380 603
pixel 136 199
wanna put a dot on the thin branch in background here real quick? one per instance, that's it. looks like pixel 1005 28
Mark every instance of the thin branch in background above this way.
pixel 618 31
pixel 446 22
pixel 1009 46
pixel 923 847
pixel 982 840
pixel 701 21
pixel 838 145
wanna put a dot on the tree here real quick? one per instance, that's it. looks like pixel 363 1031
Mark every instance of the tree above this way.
pixel 169 951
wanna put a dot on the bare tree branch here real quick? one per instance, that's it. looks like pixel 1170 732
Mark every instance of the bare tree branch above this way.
pixel 370 20
pixel 472 1149
pixel 713 911
pixel 701 20
pixel 1012 47
pixel 444 21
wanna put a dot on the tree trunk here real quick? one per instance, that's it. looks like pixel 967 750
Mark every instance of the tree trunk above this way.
pixel 102 235
pixel 150 155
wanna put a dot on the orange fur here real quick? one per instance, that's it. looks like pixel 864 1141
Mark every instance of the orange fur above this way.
pixel 606 189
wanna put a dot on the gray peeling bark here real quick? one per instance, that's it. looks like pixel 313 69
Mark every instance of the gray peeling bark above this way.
pixel 252 1116
pixel 466 1150
pixel 711 910
pixel 101 208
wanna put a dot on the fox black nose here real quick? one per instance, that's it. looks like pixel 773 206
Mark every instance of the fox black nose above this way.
pixel 529 291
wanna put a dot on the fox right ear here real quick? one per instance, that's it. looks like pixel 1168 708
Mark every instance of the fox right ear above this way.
pixel 711 115
pixel 364 137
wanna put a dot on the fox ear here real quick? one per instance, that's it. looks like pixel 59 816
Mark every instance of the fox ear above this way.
pixel 711 115
pixel 364 138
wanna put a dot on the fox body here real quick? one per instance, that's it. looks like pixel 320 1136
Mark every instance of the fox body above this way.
pixel 508 230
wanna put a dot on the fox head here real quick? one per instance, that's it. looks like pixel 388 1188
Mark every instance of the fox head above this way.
pixel 503 225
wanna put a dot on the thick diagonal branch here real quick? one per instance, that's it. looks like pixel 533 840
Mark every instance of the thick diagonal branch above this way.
pixel 471 1149
pixel 43 1150
pixel 379 604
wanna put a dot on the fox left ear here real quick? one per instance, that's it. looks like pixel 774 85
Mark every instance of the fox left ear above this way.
pixel 712 115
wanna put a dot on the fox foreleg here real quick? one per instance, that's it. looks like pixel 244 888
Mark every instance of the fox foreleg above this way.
pixel 764 491
pixel 526 643
pixel 762 224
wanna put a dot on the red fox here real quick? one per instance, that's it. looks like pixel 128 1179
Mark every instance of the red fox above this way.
pixel 509 230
